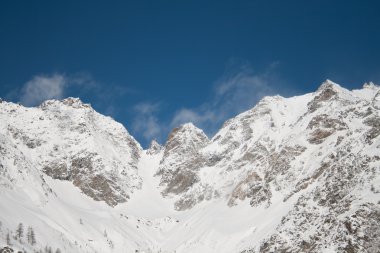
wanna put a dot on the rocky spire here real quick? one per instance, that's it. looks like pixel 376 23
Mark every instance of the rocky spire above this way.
pixel 154 148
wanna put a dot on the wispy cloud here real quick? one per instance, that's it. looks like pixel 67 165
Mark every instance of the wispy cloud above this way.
pixel 196 116
pixel 146 122
pixel 59 85
pixel 239 89
pixel 41 88
pixel 52 86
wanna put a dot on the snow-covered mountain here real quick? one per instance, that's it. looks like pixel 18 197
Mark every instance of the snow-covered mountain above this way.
pixel 299 174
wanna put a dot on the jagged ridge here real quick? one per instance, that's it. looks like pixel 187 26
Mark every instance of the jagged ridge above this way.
pixel 304 172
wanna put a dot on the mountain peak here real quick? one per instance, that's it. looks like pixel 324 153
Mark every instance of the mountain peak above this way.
pixel 370 85
pixel 191 130
pixel 69 101
pixel 187 129
pixel 75 102
pixel 154 148
pixel 277 170
pixel 188 126
pixel 328 84
pixel 185 135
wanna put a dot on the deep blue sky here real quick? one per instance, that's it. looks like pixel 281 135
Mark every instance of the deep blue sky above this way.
pixel 155 64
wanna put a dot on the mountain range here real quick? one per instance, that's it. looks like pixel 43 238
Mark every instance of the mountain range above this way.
pixel 298 174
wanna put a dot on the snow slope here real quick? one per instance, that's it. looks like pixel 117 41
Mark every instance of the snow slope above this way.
pixel 297 174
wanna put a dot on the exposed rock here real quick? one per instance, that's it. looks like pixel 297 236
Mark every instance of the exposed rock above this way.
pixel 318 136
pixel 68 140
pixel 185 138
pixel 181 159
pixel 181 180
pixel 154 148
pixel 252 187
pixel 6 249
pixel 57 171
pixel 196 195
pixel 323 121
pixel 96 184
pixel 314 198
pixel 70 101
pixel 18 134
pixel 374 123
pixel 101 188
pixel 325 93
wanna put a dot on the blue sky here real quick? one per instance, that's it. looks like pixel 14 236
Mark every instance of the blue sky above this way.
pixel 152 65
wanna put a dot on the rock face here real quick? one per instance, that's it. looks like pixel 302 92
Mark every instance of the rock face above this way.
pixel 181 160
pixel 154 148
pixel 321 149
pixel 68 140
pixel 300 174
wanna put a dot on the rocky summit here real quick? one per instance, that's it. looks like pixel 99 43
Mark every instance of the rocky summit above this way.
pixel 298 174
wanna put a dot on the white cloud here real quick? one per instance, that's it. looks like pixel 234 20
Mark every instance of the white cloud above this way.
pixel 198 118
pixel 146 121
pixel 54 86
pixel 147 108
pixel 43 87
pixel 239 89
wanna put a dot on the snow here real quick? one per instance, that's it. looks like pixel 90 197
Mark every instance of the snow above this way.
pixel 64 217
pixel 148 202
pixel 57 220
